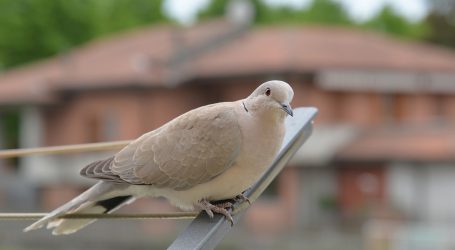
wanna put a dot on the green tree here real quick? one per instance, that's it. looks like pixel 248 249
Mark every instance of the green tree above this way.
pixel 217 8
pixel 33 29
pixel 329 12
pixel 389 21
pixel 319 11
pixel 441 22
pixel 112 16
pixel 326 12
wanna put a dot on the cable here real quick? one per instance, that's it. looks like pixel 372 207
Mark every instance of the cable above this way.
pixel 36 216
pixel 76 148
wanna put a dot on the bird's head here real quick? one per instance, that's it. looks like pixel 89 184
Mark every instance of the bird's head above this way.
pixel 272 96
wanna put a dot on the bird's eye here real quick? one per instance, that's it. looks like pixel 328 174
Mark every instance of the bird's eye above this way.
pixel 268 92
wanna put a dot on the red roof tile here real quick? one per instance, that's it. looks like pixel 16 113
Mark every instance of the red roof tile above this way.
pixel 314 48
pixel 434 143
pixel 161 55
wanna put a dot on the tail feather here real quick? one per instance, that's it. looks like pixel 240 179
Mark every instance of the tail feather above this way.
pixel 94 200
pixel 69 226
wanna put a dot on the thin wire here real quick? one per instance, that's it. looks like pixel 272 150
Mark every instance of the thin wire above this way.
pixel 76 148
pixel 36 216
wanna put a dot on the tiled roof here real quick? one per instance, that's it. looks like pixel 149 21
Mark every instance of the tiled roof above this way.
pixel 421 144
pixel 314 48
pixel 166 55
pixel 141 57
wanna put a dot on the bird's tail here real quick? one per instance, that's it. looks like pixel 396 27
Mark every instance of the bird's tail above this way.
pixel 98 199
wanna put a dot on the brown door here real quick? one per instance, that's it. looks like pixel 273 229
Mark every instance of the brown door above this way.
pixel 361 189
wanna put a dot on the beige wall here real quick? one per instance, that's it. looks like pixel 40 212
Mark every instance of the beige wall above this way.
pixel 84 117
pixel 134 112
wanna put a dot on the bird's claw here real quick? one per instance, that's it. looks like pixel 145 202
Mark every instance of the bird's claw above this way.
pixel 222 207
pixel 209 213
pixel 242 198
pixel 225 205
pixel 218 208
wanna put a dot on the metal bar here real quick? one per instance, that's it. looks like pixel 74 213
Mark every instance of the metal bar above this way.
pixel 36 216
pixel 206 233
pixel 66 149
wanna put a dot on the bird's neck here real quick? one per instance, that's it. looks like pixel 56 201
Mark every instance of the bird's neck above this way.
pixel 260 111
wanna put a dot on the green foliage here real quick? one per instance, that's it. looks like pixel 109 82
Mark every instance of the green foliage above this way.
pixel 10 129
pixel 328 12
pixel 442 31
pixel 317 12
pixel 112 16
pixel 441 22
pixel 389 21
pixel 32 29
pixel 216 8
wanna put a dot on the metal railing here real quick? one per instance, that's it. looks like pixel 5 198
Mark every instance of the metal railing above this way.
pixel 203 232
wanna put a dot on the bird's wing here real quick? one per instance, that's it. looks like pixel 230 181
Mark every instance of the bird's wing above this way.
pixel 191 149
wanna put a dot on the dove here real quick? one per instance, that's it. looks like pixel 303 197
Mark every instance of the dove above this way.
pixel 208 154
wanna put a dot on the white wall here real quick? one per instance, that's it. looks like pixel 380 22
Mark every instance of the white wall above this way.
pixel 426 192
pixel 441 193
pixel 31 133
pixel 2 138
pixel 49 169
pixel 316 183
pixel 404 185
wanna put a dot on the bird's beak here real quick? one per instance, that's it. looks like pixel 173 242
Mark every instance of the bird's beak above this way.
pixel 287 108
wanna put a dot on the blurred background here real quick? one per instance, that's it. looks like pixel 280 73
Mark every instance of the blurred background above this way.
pixel 378 172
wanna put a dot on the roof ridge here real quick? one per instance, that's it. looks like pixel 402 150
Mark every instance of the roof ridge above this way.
pixel 186 53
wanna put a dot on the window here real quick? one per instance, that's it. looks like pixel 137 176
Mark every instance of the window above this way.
pixel 102 127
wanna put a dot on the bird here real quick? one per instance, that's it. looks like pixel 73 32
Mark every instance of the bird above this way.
pixel 211 153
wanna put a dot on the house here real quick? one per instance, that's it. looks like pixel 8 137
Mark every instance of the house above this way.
pixel 383 143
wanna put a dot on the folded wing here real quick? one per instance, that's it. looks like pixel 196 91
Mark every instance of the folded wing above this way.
pixel 191 149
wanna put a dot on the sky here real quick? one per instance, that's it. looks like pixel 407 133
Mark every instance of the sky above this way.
pixel 185 10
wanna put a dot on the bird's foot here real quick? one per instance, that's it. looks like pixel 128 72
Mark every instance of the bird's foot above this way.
pixel 220 208
pixel 242 198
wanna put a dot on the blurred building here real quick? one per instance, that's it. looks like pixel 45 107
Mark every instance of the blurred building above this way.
pixel 383 144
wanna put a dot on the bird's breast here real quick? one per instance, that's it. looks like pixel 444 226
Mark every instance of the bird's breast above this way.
pixel 259 149
pixel 260 145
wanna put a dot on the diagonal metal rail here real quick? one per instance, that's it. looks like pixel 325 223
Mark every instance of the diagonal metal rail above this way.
pixel 206 233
